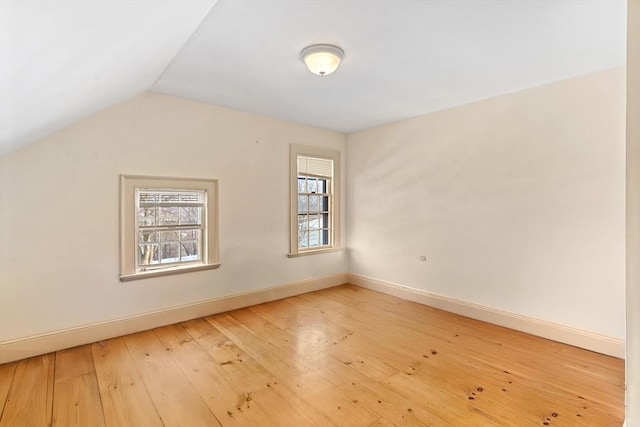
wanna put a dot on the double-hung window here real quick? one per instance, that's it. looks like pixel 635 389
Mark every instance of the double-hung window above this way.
pixel 168 225
pixel 314 199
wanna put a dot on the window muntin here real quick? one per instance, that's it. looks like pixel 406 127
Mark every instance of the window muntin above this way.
pixel 167 226
pixel 170 226
pixel 313 199
pixel 314 212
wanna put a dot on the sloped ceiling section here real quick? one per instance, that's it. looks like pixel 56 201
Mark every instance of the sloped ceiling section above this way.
pixel 402 58
pixel 61 61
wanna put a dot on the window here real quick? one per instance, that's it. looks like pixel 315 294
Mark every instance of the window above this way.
pixel 314 199
pixel 168 226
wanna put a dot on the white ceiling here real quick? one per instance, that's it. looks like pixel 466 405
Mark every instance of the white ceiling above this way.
pixel 64 60
pixel 61 61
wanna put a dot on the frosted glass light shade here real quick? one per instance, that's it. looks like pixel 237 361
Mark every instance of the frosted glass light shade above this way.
pixel 322 59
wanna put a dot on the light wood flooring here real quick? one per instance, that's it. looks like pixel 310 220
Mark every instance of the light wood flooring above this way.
pixel 343 356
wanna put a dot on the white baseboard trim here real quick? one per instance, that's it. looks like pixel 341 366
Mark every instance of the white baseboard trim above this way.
pixel 599 343
pixel 41 344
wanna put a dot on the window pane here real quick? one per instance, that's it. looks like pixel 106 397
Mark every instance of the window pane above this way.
pixel 190 251
pixel 314 203
pixel 303 227
pixel 314 238
pixel 186 235
pixel 148 254
pixel 324 220
pixel 147 247
pixel 303 222
pixel 169 252
pixel 301 187
pixel 322 186
pixel 325 237
pixel 146 236
pixel 303 204
pixel 190 245
pixel 169 216
pixel 190 215
pixel 324 205
pixel 314 222
pixel 168 236
pixel 147 216
pixel 312 185
pixel 303 237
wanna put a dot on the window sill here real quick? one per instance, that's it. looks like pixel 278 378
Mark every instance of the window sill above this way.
pixel 167 272
pixel 313 252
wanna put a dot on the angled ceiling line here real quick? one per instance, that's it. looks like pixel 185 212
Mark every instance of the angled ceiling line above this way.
pixel 185 44
pixel 65 61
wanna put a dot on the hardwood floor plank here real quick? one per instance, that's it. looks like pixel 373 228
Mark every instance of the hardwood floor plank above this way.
pixel 251 332
pixel 475 346
pixel 340 374
pixel 6 378
pixel 363 351
pixel 517 358
pixel 302 355
pixel 288 396
pixel 381 423
pixel 29 401
pixel 281 410
pixel 344 356
pixel 339 410
pixel 234 364
pixel 77 396
pixel 392 406
pixel 176 401
pixel 272 358
pixel 125 400
pixel 282 406
pixel 223 390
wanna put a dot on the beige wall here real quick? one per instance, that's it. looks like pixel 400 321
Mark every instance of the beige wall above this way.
pixel 517 202
pixel 633 214
pixel 59 217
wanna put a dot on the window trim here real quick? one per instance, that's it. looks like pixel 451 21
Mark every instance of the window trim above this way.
pixel 320 152
pixel 128 215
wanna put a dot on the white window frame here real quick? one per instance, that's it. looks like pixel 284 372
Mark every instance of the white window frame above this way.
pixel 334 209
pixel 129 229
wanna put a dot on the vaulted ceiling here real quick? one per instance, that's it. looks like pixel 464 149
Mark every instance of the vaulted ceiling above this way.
pixel 61 61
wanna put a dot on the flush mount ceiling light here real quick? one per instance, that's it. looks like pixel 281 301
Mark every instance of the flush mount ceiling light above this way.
pixel 322 59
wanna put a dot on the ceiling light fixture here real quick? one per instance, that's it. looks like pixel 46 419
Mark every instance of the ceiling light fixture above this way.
pixel 322 59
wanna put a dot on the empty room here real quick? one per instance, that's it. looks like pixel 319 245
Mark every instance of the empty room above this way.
pixel 319 213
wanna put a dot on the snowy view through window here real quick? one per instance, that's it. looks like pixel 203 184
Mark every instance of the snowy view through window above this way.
pixel 314 176
pixel 313 212
pixel 169 227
